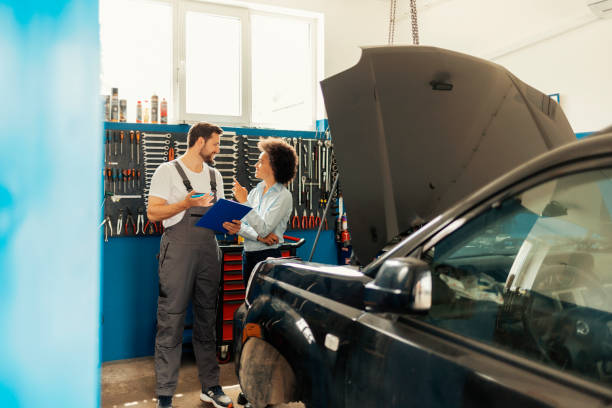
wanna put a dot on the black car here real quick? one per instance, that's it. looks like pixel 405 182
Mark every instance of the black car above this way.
pixel 504 296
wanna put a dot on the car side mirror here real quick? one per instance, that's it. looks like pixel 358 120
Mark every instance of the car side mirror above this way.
pixel 402 285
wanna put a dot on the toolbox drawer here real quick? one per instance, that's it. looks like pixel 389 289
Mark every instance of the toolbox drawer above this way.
pixel 229 308
pixel 232 276
pixel 233 257
pixel 233 285
pixel 233 295
pixel 232 266
pixel 227 331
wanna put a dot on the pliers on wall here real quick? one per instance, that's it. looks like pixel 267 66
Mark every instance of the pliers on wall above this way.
pixel 140 221
pixel 130 222
pixel 295 221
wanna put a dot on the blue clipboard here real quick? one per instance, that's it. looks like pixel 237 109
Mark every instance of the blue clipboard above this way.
pixel 223 211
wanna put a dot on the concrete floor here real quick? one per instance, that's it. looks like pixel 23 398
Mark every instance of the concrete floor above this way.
pixel 131 383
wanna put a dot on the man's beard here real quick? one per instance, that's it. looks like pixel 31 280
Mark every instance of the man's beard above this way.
pixel 208 158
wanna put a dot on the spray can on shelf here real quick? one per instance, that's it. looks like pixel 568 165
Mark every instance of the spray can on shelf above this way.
pixel 163 117
pixel 122 110
pixel 139 112
pixel 145 116
pixel 154 109
pixel 115 105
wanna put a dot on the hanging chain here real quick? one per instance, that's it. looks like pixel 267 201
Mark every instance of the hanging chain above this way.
pixel 415 25
pixel 392 22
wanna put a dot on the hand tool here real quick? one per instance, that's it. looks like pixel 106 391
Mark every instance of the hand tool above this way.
pixel 155 148
pixel 155 135
pixel 163 156
pixel 108 226
pixel 319 144
pixel 104 178
pixel 304 220
pixel 232 163
pixel 139 179
pixel 132 144
pixel 107 147
pixel 121 142
pixel 177 143
pixel 226 136
pixel 150 228
pixel 119 223
pixel 295 220
pixel 115 179
pixel 171 154
pixel 140 221
pixel 129 222
pixel 154 142
pixel 230 171
pixel 138 147
pixel 133 178
pixel 115 142
pixel 299 174
pixel 118 197
pixel 233 148
pixel 317 220
pixel 232 155
pixel 125 173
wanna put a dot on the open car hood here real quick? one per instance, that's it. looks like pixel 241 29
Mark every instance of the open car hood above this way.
pixel 408 147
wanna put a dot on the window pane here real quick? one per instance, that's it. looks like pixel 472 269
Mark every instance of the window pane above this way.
pixel 533 275
pixel 136 43
pixel 283 79
pixel 213 64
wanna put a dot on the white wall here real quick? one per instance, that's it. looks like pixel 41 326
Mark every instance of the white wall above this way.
pixel 557 46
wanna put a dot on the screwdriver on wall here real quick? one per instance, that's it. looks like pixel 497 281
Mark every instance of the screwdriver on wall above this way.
pixel 121 141
pixel 132 144
pixel 138 147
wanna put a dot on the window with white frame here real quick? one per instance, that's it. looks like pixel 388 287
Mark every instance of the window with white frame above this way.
pixel 220 63
pixel 136 45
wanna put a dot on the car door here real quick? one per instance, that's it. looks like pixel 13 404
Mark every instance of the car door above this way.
pixel 521 310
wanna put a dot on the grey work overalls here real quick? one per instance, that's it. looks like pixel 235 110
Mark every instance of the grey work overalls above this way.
pixel 189 268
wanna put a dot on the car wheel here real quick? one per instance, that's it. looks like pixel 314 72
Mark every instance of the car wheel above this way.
pixel 266 378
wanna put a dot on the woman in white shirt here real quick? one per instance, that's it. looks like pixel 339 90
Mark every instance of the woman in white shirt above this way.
pixel 263 227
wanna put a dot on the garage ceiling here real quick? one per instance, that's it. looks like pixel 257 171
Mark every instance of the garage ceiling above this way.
pixel 492 28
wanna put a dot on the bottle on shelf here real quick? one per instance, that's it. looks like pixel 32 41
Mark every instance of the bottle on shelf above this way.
pixel 115 105
pixel 154 109
pixel 139 112
pixel 163 117
pixel 145 116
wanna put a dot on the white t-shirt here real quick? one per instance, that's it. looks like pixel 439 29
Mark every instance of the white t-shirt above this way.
pixel 167 184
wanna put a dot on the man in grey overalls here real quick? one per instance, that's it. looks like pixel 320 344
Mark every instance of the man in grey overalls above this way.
pixel 189 264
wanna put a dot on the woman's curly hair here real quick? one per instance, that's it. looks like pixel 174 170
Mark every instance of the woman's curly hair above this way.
pixel 283 158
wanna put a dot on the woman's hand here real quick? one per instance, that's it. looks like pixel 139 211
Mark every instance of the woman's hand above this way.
pixel 270 239
pixel 240 193
pixel 232 227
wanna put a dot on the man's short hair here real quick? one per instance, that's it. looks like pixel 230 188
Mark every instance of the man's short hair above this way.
pixel 202 129
pixel 283 158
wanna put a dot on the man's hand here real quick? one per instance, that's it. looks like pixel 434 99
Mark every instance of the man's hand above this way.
pixel 232 227
pixel 204 201
pixel 240 193
pixel 270 239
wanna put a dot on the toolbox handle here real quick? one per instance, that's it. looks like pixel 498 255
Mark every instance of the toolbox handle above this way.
pixel 297 242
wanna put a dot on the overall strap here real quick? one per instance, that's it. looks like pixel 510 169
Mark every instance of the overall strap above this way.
pixel 181 172
pixel 213 180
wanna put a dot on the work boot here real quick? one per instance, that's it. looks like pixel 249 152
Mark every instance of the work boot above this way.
pixel 164 401
pixel 216 396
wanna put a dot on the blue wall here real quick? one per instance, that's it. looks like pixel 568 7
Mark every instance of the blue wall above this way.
pixel 130 268
pixel 130 290
pixel 49 204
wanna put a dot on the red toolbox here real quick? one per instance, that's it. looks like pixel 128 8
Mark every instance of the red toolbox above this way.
pixel 233 289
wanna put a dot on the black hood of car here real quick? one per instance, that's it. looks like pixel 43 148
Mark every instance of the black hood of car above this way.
pixel 416 129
